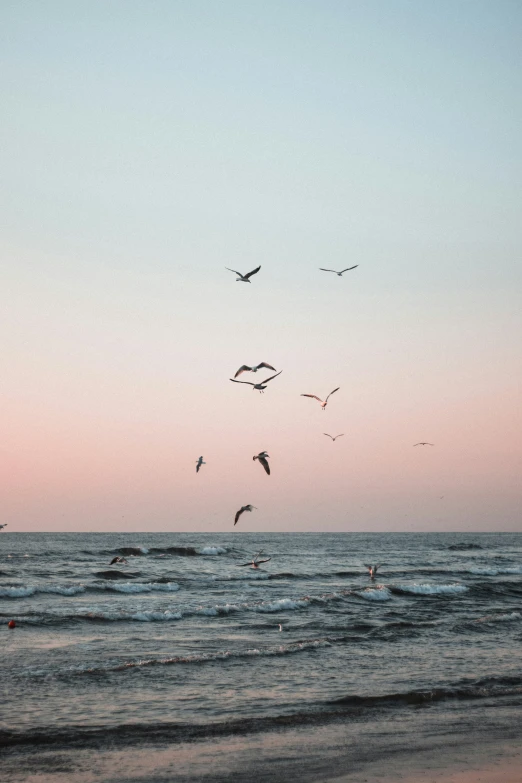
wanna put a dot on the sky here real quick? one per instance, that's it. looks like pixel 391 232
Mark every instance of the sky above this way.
pixel 145 146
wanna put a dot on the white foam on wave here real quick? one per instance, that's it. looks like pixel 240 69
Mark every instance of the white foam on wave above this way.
pixel 212 550
pixel 500 618
pixel 376 594
pixel 132 587
pixel 427 589
pixel 487 571
pixel 23 591
pixel 280 605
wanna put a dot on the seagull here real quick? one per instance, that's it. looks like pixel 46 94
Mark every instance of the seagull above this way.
pixel 332 437
pixel 259 386
pixel 423 443
pixel 118 559
pixel 262 456
pixel 199 463
pixel 2 526
pixel 249 507
pixel 255 562
pixel 372 570
pixel 339 274
pixel 323 404
pixel 255 368
pixel 244 278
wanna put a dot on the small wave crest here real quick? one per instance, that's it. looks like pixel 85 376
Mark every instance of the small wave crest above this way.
pixel 23 591
pixel 427 589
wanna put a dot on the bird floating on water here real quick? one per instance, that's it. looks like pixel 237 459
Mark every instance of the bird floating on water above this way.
pixel 339 274
pixel 199 463
pixel 315 397
pixel 248 507
pixel 332 437
pixel 255 368
pixel 118 559
pixel 423 443
pixel 259 386
pixel 262 457
pixel 373 570
pixel 244 278
pixel 255 562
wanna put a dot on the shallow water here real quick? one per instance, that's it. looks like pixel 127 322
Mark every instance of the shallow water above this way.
pixel 182 644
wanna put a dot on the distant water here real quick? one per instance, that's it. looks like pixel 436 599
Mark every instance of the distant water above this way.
pixel 183 644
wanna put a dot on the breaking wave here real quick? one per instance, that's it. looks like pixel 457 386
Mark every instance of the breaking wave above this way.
pixel 428 589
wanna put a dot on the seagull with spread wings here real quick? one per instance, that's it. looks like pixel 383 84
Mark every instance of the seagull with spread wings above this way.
pixel 423 443
pixel 315 397
pixel 259 386
pixel 255 368
pixel 255 562
pixel 244 278
pixel 249 507
pixel 199 463
pixel 262 457
pixel 372 569
pixel 332 437
pixel 339 274
pixel 2 526
pixel 118 559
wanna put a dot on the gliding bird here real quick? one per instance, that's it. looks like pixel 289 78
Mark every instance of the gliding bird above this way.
pixel 332 437
pixel 255 368
pixel 244 278
pixel 249 507
pixel 423 443
pixel 259 386
pixel 315 397
pixel 262 457
pixel 199 463
pixel 255 562
pixel 2 526
pixel 339 274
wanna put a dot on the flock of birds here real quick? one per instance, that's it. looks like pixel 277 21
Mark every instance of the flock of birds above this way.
pixel 263 456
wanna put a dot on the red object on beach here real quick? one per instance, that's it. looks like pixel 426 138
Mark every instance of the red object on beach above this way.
pixel 11 624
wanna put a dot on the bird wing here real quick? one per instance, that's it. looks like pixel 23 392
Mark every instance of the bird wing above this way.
pixel 238 514
pixel 198 467
pixel 263 561
pixel 114 560
pixel 268 366
pixel 327 270
pixel 249 382
pixel 243 368
pixel 253 272
pixel 234 271
pixel 272 376
pixel 339 436
pixel 265 464
pixel 348 268
pixel 242 565
pixel 324 433
pixel 332 392
pixel 312 395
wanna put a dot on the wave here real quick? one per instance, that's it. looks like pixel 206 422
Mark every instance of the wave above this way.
pixel 464 547
pixel 213 550
pixel 134 551
pixel 375 594
pixel 486 571
pixel 115 575
pixel 318 713
pixel 428 589
pixel 24 591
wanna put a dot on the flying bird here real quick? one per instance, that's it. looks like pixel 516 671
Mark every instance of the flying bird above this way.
pixel 259 386
pixel 315 397
pixel 332 437
pixel 244 278
pixel 373 570
pixel 339 274
pixel 255 368
pixel 249 507
pixel 199 463
pixel 423 443
pixel 118 559
pixel 262 457
pixel 2 526
pixel 255 562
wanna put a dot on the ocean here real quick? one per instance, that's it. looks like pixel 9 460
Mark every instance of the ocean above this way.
pixel 182 649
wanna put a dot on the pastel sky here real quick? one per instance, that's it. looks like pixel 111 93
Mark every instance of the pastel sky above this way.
pixel 144 146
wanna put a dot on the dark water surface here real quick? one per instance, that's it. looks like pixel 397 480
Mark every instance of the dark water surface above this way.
pixel 182 645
